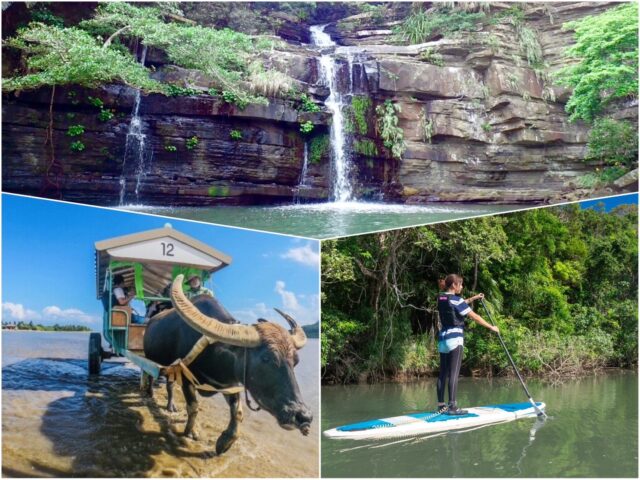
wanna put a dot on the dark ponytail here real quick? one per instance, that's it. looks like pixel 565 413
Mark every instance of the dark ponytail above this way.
pixel 451 279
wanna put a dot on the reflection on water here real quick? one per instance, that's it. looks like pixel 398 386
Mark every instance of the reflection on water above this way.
pixel 592 431
pixel 58 422
pixel 327 220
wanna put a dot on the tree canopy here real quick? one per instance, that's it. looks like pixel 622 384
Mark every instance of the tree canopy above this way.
pixel 94 52
pixel 606 54
pixel 561 282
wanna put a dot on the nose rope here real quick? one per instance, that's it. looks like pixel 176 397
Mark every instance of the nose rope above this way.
pixel 246 389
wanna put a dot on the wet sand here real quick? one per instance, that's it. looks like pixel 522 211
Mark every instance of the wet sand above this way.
pixel 58 422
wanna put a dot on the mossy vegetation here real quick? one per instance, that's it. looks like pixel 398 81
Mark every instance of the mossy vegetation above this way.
pixel 219 191
pixel 366 147
pixel 360 110
pixel 429 55
pixel 319 146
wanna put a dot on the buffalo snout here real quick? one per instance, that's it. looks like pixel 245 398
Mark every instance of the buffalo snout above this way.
pixel 296 416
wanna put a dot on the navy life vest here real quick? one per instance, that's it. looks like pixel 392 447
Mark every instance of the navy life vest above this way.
pixel 449 316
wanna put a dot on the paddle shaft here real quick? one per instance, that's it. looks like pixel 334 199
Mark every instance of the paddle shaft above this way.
pixel 513 364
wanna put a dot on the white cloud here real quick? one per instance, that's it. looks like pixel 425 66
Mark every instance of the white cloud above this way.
pixel 305 255
pixel 17 311
pixel 303 308
pixel 252 314
pixel 289 300
pixel 56 313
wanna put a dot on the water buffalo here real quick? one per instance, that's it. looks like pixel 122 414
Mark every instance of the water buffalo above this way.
pixel 261 357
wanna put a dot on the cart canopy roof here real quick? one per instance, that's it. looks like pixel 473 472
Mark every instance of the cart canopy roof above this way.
pixel 150 260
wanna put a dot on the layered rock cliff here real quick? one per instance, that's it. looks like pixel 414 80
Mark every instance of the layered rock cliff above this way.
pixel 480 123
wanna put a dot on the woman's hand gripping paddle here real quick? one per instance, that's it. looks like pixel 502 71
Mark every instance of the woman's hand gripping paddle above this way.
pixel 513 364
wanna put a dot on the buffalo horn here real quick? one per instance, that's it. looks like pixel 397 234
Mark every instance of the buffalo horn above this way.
pixel 297 333
pixel 238 335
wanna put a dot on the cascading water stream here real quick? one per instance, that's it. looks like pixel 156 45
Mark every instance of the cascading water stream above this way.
pixel 135 144
pixel 302 184
pixel 341 187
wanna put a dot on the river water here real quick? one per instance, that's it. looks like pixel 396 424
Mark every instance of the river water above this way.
pixel 327 220
pixel 56 422
pixel 592 431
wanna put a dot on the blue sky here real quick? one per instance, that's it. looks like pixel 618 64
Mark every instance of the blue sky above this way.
pixel 611 202
pixel 48 263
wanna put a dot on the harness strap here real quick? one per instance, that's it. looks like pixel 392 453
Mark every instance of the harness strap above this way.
pixel 246 392
pixel 180 368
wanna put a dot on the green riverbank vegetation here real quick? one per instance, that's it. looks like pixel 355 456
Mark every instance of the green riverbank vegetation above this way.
pixel 561 283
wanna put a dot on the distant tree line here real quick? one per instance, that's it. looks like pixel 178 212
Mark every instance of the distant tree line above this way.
pixel 312 331
pixel 45 328
pixel 561 283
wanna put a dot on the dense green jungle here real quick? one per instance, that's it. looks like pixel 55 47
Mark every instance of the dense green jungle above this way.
pixel 561 283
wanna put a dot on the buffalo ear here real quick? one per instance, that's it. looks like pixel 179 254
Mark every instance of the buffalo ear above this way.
pixel 261 320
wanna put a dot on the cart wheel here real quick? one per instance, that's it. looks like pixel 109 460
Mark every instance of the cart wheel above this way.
pixel 95 353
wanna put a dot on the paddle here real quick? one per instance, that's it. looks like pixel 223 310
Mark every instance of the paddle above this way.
pixel 513 364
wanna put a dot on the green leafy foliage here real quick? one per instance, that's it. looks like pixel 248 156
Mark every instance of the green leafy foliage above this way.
pixel 75 130
pixel 40 13
pixel 96 102
pixel 178 91
pixel 105 115
pixel 392 135
pixel 306 127
pixel 307 104
pixel 191 143
pixel 63 56
pixel 561 283
pixel 429 55
pixel 527 37
pixel 234 98
pixel 423 25
pixel 171 148
pixel 235 135
pixel 319 147
pixel 360 107
pixel 613 142
pixel 607 70
pixel 366 147
pixel 77 146
pixel 223 54
pixel 601 177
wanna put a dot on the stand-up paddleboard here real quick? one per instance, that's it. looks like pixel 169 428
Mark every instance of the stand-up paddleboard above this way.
pixel 431 422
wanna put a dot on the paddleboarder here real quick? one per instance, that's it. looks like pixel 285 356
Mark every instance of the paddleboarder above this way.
pixel 453 311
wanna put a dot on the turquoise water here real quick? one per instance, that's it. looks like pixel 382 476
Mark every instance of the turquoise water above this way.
pixel 592 431
pixel 327 220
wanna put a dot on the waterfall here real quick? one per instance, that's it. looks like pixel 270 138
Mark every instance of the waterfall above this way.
pixel 334 103
pixel 135 151
pixel 302 183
